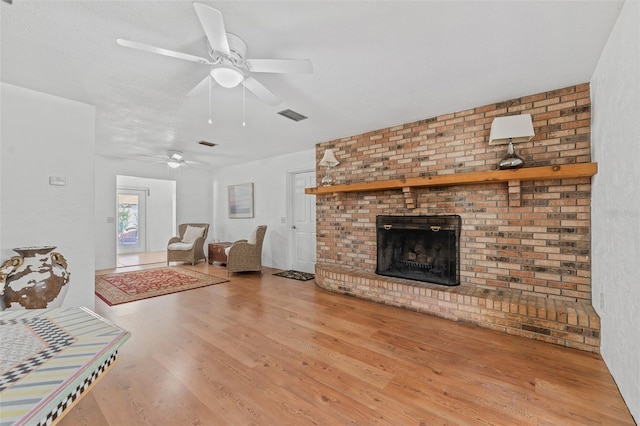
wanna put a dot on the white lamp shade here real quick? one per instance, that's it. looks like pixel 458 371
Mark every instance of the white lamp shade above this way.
pixel 227 76
pixel 511 129
pixel 173 164
pixel 329 159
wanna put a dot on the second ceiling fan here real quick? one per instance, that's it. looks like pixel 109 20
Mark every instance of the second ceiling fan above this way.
pixel 229 64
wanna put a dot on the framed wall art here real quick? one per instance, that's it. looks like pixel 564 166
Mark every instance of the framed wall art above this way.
pixel 241 201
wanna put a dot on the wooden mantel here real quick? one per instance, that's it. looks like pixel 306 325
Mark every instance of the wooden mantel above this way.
pixel 512 177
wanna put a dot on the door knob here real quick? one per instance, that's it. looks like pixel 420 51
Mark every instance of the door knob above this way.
pixel 293 227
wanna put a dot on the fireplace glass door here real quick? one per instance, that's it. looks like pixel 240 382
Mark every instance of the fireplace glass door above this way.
pixel 420 248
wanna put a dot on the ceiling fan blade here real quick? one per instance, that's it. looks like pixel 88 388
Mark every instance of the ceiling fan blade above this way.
pixel 203 86
pixel 197 163
pixel 161 51
pixel 213 26
pixel 300 66
pixel 264 94
pixel 163 157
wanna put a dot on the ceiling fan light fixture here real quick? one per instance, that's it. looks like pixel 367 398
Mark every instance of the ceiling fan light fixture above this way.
pixel 175 156
pixel 227 76
pixel 173 164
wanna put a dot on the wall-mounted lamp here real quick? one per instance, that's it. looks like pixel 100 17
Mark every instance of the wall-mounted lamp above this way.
pixel 328 160
pixel 509 130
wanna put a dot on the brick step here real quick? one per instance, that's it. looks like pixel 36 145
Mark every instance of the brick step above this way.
pixel 567 323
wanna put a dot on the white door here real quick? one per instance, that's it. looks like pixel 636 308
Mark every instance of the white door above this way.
pixel 132 223
pixel 303 221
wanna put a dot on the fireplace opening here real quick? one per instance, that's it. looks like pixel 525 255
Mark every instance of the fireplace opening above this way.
pixel 420 248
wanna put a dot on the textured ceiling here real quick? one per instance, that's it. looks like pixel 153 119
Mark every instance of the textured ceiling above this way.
pixel 376 64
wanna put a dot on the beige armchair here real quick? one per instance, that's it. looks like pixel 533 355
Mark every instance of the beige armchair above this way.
pixel 189 246
pixel 246 255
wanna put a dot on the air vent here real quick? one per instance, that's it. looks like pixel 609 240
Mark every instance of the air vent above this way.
pixel 207 143
pixel 292 115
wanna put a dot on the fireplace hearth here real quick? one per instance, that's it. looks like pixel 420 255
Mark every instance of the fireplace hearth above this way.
pixel 419 248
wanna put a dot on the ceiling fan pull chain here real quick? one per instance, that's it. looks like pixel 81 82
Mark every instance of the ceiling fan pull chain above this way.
pixel 210 118
pixel 244 123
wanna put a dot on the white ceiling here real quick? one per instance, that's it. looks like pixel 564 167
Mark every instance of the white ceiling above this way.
pixel 376 64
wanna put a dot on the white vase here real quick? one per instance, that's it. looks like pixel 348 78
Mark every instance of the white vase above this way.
pixel 37 279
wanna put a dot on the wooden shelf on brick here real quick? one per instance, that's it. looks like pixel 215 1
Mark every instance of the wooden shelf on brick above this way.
pixel 512 177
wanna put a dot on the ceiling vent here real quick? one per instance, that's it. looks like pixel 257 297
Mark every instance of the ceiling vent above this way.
pixel 292 115
pixel 207 143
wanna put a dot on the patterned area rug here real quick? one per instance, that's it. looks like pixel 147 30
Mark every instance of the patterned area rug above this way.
pixel 125 287
pixel 296 275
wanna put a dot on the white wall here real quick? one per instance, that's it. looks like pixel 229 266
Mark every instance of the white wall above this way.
pixel 269 179
pixel 160 203
pixel 615 91
pixel 194 199
pixel 43 136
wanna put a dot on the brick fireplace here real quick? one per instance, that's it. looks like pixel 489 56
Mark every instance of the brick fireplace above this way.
pixel 524 246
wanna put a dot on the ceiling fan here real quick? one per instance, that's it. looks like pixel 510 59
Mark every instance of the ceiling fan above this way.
pixel 174 160
pixel 229 64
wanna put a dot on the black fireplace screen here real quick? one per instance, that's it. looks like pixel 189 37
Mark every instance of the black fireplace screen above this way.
pixel 420 248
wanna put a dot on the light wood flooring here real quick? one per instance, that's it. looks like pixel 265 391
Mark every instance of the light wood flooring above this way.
pixel 146 258
pixel 266 350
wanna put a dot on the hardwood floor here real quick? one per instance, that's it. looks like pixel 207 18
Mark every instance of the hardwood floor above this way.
pixel 146 258
pixel 266 350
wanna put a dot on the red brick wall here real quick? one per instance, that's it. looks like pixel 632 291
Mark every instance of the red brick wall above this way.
pixel 541 247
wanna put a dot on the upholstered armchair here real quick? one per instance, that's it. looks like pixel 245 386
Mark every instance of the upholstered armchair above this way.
pixel 189 246
pixel 246 255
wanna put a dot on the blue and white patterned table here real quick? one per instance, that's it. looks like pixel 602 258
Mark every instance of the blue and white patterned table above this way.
pixel 48 358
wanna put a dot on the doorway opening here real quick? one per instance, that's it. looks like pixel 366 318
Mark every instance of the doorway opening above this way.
pixel 146 219
pixel 132 220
